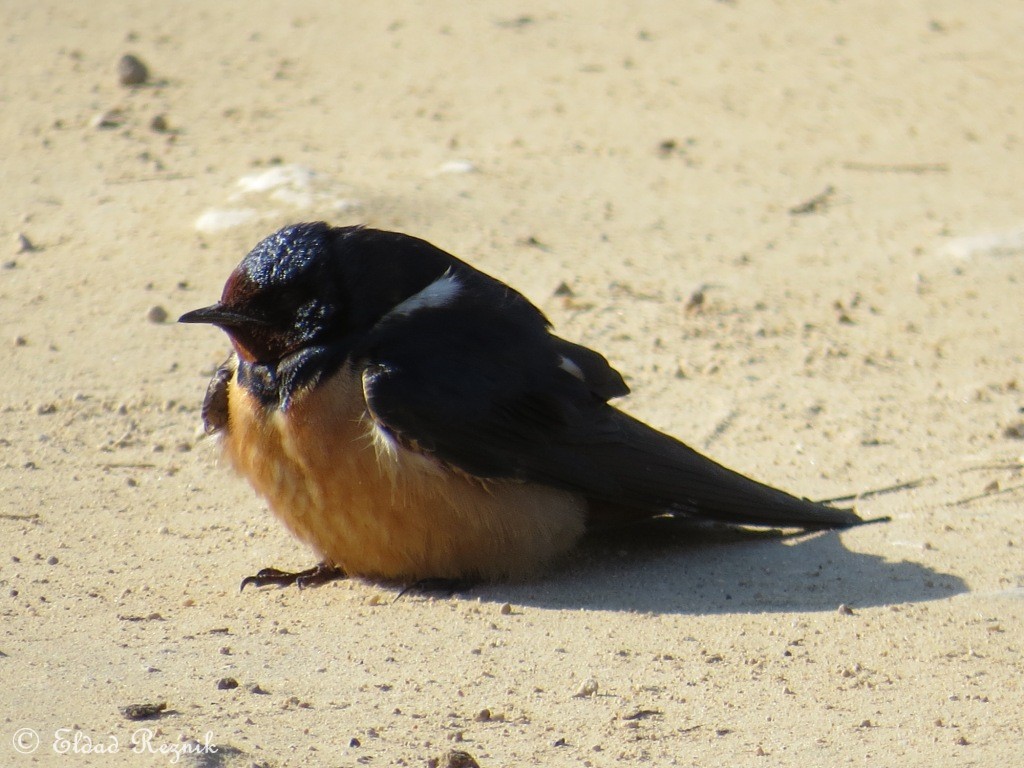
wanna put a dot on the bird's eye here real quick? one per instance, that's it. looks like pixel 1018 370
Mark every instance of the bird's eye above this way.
pixel 289 298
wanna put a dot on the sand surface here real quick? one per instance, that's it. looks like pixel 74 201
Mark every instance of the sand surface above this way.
pixel 842 183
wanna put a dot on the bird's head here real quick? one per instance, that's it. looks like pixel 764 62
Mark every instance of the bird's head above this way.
pixel 279 298
pixel 312 284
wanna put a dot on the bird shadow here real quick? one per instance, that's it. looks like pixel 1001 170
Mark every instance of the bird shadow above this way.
pixel 677 566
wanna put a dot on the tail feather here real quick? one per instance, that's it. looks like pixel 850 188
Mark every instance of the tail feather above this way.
pixel 656 473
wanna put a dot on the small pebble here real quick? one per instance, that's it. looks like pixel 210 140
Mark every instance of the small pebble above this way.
pixel 52 560
pixel 156 314
pixel 844 610
pixel 483 716
pixel 20 341
pixel 22 244
pixel 696 301
pixel 1015 431
pixel 455 759
pixel 354 742
pixel 588 688
pixel 227 684
pixel 563 289
pixel 111 118
pixel 131 70
pixel 505 609
pixel 143 711
pixel 457 166
pixel 159 124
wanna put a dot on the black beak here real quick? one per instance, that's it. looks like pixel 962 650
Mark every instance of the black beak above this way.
pixel 222 317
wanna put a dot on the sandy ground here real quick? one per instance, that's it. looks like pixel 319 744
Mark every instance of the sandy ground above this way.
pixel 841 181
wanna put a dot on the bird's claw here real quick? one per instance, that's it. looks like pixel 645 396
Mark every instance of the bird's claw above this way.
pixel 444 587
pixel 320 573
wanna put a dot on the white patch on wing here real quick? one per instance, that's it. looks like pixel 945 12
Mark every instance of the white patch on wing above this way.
pixel 569 366
pixel 438 294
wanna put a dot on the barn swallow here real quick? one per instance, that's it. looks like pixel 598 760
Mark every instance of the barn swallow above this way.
pixel 411 418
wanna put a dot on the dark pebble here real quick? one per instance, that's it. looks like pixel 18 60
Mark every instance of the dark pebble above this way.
pixel 459 759
pixel 131 70
pixel 143 711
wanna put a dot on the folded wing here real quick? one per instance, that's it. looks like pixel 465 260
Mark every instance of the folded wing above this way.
pixel 532 407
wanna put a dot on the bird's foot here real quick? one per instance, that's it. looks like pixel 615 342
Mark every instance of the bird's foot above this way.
pixel 321 573
pixel 436 586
